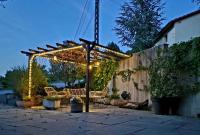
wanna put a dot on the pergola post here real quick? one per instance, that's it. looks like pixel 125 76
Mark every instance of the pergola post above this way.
pixel 30 64
pixel 87 79
pixel 89 48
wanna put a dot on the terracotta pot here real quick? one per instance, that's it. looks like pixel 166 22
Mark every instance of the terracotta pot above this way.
pixel 24 104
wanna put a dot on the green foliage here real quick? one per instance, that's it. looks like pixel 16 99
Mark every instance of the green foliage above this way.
pixel 76 100
pixel 26 98
pixel 66 72
pixel 114 46
pixel 139 23
pixel 13 78
pixel 104 74
pixel 115 94
pixel 196 1
pixel 52 98
pixel 17 79
pixel 175 71
pixel 126 75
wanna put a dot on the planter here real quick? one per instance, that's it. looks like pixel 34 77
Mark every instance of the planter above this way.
pixel 24 104
pixel 37 100
pixel 174 105
pixel 165 106
pixel 159 106
pixel 51 104
pixel 77 108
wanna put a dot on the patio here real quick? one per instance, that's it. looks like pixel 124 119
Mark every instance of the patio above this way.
pixel 114 121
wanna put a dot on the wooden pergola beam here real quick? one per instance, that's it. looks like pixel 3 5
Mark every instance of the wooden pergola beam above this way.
pixel 108 55
pixel 42 49
pixel 61 45
pixel 27 53
pixel 72 43
pixel 76 53
pixel 51 47
pixel 34 51
pixel 111 51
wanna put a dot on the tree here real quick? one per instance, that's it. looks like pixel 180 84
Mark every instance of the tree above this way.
pixel 114 46
pixel 66 72
pixel 13 77
pixel 139 23
pixel 1 3
pixel 17 79
pixel 196 1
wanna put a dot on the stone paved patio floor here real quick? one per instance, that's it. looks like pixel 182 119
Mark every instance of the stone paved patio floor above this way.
pixel 107 121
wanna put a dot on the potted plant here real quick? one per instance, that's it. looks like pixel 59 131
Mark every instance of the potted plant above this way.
pixel 51 102
pixel 37 100
pixel 165 88
pixel 76 105
pixel 25 102
pixel 126 95
pixel 115 98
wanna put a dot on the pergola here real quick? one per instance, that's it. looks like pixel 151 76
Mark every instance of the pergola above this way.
pixel 86 53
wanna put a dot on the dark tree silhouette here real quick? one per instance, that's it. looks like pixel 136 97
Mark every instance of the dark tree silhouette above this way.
pixel 114 46
pixel 197 2
pixel 1 3
pixel 139 23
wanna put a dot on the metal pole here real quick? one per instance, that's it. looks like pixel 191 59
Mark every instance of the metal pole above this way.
pixel 96 22
pixel 87 79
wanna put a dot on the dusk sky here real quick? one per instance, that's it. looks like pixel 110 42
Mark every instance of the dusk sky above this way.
pixel 28 24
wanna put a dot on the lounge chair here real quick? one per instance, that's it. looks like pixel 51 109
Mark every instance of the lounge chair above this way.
pixel 52 92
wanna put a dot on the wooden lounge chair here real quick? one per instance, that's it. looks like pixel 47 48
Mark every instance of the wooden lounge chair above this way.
pixel 52 92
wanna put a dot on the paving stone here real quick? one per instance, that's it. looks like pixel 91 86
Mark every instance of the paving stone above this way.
pixel 106 121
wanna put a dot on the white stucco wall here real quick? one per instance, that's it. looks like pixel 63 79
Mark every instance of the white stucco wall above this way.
pixel 187 29
pixel 171 36
pixel 182 31
pixel 161 42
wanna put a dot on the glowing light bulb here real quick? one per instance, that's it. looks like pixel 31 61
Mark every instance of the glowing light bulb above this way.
pixel 90 67
pixel 97 64
pixel 55 58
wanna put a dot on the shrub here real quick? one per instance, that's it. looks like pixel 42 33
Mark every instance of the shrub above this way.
pixel 17 79
pixel 104 74
pixel 115 97
pixel 52 98
pixel 76 100
pixel 126 95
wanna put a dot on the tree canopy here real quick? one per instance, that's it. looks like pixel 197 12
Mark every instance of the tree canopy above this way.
pixel 114 46
pixel 139 23
pixel 197 2
pixel 17 79
pixel 66 72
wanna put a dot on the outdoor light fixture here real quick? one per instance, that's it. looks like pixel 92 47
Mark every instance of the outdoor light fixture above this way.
pixel 97 64
pixel 55 58
pixel 90 67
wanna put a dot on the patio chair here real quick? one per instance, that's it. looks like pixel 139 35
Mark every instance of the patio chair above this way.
pixel 52 92
pixel 100 94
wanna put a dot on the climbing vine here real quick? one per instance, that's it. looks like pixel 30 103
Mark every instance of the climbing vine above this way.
pixel 104 74
pixel 175 71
